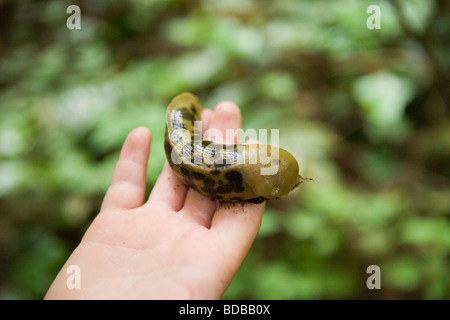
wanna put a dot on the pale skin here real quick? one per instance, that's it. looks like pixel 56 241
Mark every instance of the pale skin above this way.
pixel 177 244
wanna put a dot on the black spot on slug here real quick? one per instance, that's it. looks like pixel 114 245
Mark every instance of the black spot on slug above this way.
pixel 193 109
pixel 209 183
pixel 185 172
pixel 234 183
pixel 234 177
pixel 257 200
pixel 206 143
pixel 192 174
pixel 187 115
pixel 189 182
pixel 168 150
pixel 167 146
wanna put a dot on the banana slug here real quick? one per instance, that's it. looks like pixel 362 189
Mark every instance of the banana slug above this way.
pixel 224 172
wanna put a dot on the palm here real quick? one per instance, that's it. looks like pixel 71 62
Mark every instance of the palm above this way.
pixel 178 244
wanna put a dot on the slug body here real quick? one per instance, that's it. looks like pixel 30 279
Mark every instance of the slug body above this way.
pixel 224 172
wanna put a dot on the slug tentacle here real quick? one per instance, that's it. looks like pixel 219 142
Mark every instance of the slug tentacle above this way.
pixel 224 172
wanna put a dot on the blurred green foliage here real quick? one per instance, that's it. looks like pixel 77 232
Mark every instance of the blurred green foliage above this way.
pixel 364 111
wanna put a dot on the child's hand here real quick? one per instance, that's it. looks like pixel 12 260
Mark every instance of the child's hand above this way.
pixel 177 245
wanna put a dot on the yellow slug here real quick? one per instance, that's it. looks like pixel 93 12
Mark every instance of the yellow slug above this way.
pixel 224 172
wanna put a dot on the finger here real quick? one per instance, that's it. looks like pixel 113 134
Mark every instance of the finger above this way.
pixel 127 189
pixel 206 118
pixel 168 190
pixel 237 225
pixel 199 208
pixel 226 115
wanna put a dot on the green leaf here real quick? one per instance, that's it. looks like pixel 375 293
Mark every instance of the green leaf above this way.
pixel 382 97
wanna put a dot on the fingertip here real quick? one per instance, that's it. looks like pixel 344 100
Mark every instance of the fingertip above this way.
pixel 137 145
pixel 228 110
pixel 206 113
pixel 226 116
pixel 140 132
pixel 128 183
pixel 206 118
